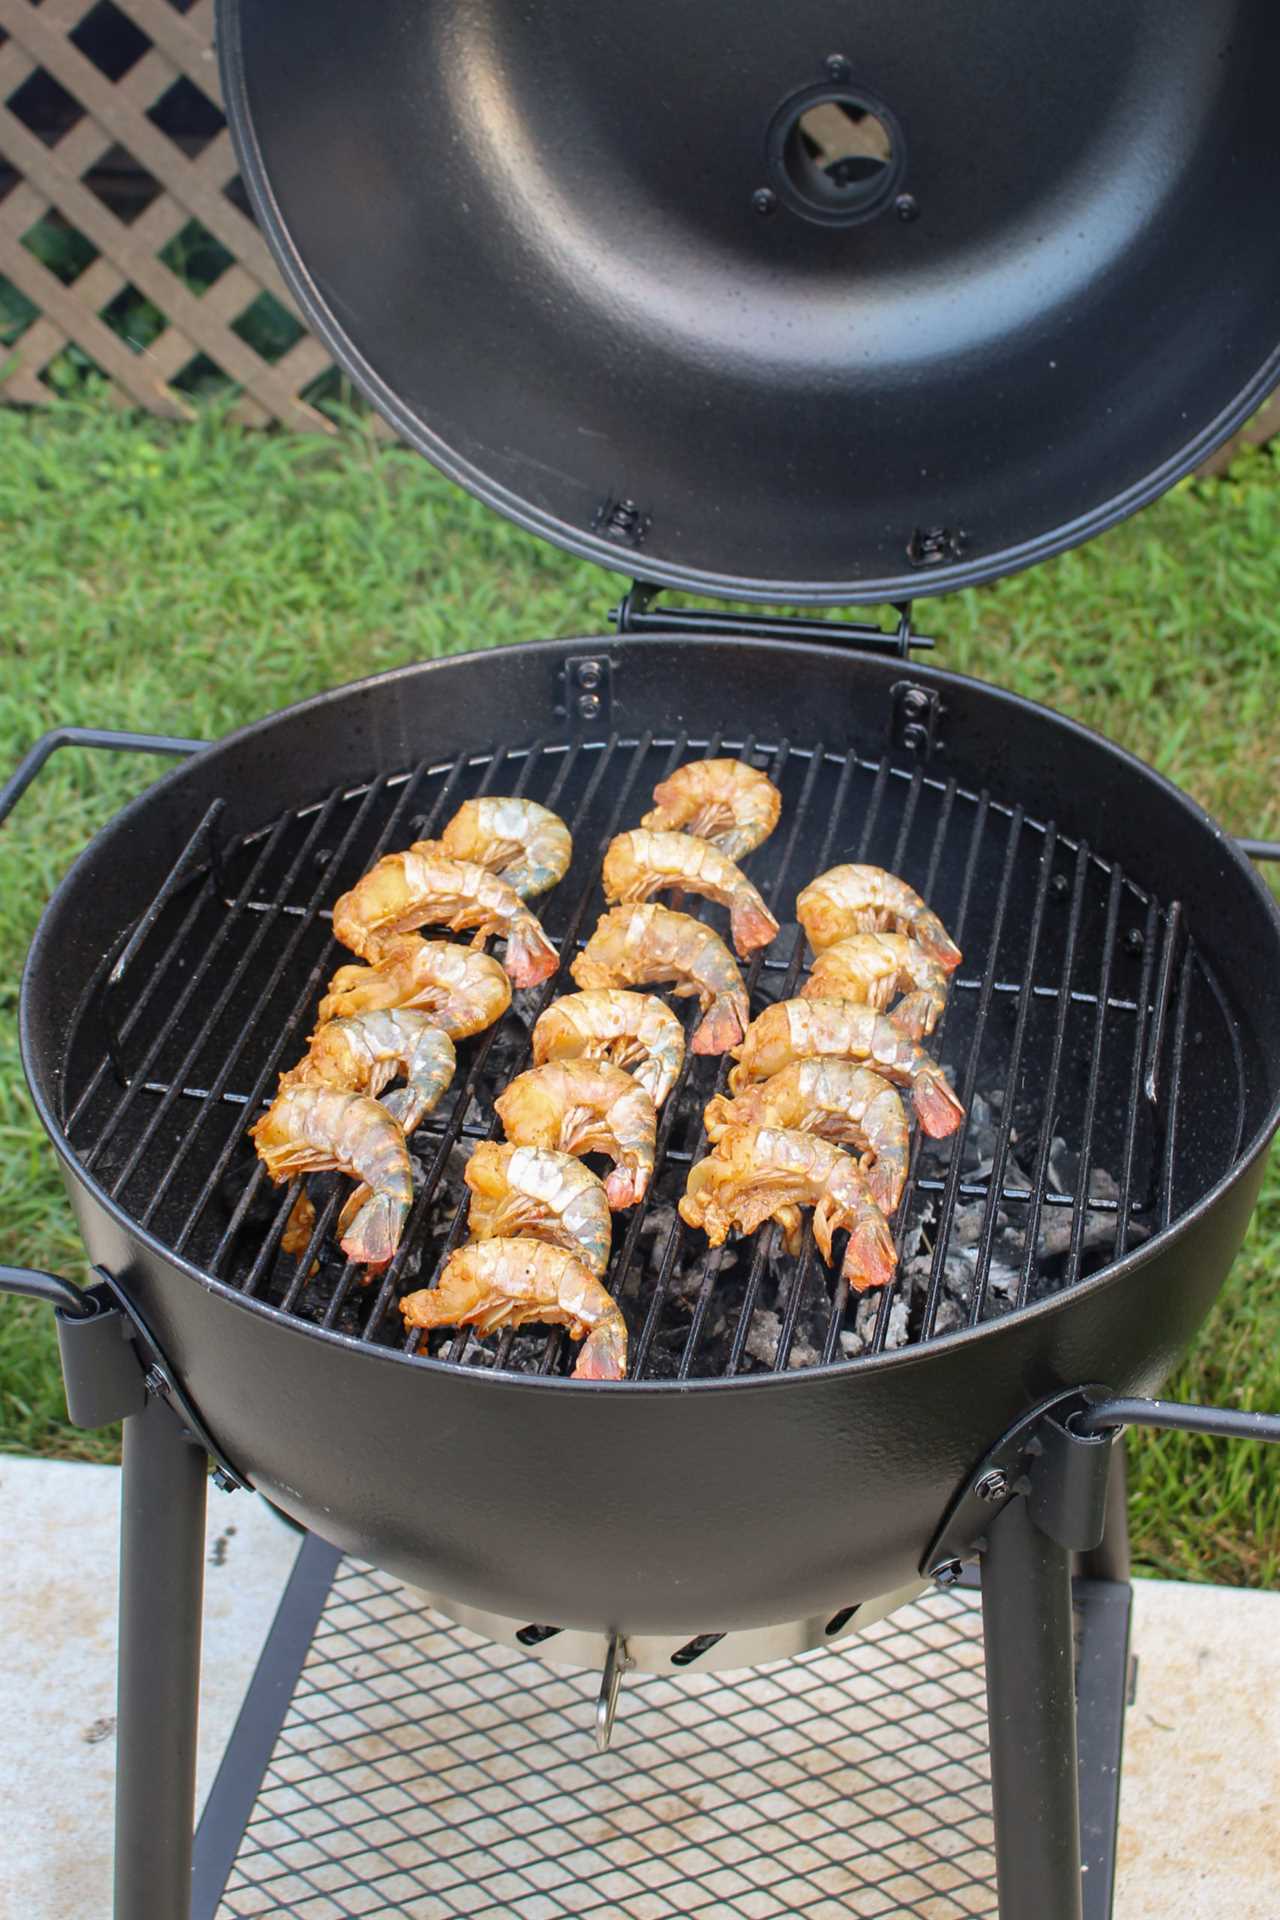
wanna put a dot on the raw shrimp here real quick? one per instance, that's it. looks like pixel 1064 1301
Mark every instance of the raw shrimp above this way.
pixel 508 1283
pixel 848 900
pixel 408 890
pixel 641 863
pixel 793 1029
pixel 549 1196
pixel 530 846
pixel 365 1053
pixel 727 802
pixel 633 946
pixel 837 1100
pixel 766 1173
pixel 316 1130
pixel 872 968
pixel 586 1106
pixel 463 990
pixel 636 1031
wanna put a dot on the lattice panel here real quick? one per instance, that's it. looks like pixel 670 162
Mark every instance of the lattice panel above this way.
pixel 124 168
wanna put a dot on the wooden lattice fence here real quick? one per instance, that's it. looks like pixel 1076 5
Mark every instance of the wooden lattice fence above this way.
pixel 125 239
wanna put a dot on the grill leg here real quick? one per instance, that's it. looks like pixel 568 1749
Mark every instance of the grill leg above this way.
pixel 161 1592
pixel 1027 1628
pixel 1110 1559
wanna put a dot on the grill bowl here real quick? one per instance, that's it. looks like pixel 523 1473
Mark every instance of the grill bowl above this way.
pixel 696 1504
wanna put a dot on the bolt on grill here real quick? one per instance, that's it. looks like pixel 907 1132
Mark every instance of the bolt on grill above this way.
pixel 1081 1014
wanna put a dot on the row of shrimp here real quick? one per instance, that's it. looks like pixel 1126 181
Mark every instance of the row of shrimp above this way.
pixel 815 1116
pixel 397 1015
pixel 604 1060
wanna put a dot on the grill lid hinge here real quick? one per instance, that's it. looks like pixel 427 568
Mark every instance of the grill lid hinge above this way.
pixel 636 613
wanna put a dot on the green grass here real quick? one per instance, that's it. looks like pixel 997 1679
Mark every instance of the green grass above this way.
pixel 190 580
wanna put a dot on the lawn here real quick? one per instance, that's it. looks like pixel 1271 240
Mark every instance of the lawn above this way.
pixel 189 580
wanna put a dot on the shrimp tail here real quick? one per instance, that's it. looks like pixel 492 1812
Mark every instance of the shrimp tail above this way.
pixel 913 1016
pixel 936 1104
pixel 530 956
pixel 603 1354
pixel 870 1258
pixel 722 1028
pixel 751 924
pixel 929 933
pixel 624 1187
pixel 373 1235
pixel 882 1185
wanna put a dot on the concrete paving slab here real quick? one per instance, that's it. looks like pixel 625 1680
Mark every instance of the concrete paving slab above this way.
pixel 1200 1802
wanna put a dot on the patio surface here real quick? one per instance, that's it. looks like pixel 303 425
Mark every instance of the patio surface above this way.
pixel 1200 1805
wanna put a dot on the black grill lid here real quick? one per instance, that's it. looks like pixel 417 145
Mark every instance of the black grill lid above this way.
pixel 797 301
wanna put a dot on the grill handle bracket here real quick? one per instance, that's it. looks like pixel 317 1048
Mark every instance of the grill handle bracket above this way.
pixel 636 614
pixel 111 742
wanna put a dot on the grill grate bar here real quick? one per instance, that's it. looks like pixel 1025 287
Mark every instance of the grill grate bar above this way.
pixel 1160 1012
pixel 417 829
pixel 954 1169
pixel 1039 1178
pixel 254 1184
pixel 1169 1157
pixel 1133 1107
pixel 914 1183
pixel 1096 1055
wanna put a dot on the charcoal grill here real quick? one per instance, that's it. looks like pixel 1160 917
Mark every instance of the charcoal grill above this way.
pixel 784 1464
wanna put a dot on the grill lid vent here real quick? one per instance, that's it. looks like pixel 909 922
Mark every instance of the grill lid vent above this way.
pixel 796 321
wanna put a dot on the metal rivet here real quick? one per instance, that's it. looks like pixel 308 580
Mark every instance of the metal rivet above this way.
pixel 947 1573
pixel 222 1480
pixel 838 67
pixel 588 705
pixel 993 1486
pixel 1135 940
pixel 907 207
pixel 155 1381
pixel 1061 885
pixel 764 200
pixel 589 673
pixel 915 700
pixel 915 738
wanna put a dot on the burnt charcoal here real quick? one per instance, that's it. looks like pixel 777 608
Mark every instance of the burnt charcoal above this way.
pixel 762 1343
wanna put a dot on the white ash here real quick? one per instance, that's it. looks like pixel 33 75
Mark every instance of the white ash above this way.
pixel 762 1342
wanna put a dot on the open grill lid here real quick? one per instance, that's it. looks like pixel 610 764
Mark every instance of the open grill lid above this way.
pixel 790 302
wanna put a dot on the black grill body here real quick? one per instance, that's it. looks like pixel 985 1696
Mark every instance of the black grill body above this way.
pixel 700 1504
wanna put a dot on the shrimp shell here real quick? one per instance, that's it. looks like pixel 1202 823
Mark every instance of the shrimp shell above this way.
pixel 855 899
pixel 586 1106
pixel 792 1029
pixel 548 1196
pixel 874 967
pixel 841 1102
pixel 767 1173
pixel 462 989
pixel 632 1030
pixel 527 844
pixel 408 890
pixel 509 1283
pixel 315 1130
pixel 641 863
pixel 732 805
pixel 365 1053
pixel 634 946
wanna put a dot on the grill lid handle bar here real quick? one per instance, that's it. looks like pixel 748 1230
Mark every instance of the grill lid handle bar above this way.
pixel 1223 1423
pixel 635 614
pixel 105 738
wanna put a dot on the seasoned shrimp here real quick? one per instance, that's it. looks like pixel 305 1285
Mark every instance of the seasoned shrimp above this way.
pixel 462 989
pixel 408 890
pixel 316 1130
pixel 641 863
pixel 792 1029
pixel 636 1031
pixel 872 968
pixel 767 1173
pixel 854 899
pixel 837 1100
pixel 530 846
pixel 508 1283
pixel 586 1106
pixel 365 1053
pixel 549 1196
pixel 633 946
pixel 727 802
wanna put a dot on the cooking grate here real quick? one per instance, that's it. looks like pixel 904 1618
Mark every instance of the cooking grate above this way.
pixel 422 1771
pixel 1082 1026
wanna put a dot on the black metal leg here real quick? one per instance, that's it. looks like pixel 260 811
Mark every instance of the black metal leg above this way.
pixel 1027 1628
pixel 1110 1560
pixel 161 1592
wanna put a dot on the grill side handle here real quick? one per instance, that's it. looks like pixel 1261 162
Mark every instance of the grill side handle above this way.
pixel 99 737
